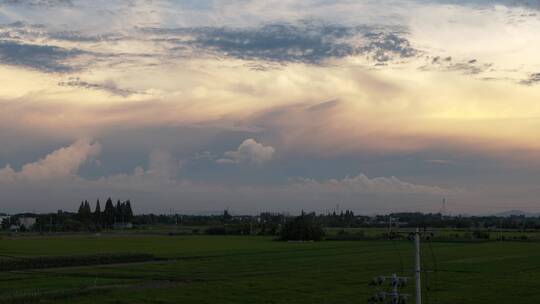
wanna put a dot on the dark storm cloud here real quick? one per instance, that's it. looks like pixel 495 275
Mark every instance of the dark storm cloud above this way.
pixel 308 42
pixel 531 80
pixel 470 67
pixel 467 67
pixel 45 58
pixel 277 42
pixel 21 30
pixel 385 46
pixel 32 46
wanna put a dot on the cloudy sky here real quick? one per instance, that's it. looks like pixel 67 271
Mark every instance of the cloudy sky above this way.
pixel 196 106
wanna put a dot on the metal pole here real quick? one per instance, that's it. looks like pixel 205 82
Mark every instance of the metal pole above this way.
pixel 417 267
pixel 500 231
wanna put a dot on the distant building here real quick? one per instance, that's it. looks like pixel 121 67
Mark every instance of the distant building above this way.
pixel 27 222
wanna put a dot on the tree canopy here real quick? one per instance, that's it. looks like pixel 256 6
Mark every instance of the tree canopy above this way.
pixel 302 228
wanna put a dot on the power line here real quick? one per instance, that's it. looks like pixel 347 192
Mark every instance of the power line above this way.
pixel 396 297
pixel 401 268
pixel 426 280
pixel 435 268
pixel 391 236
pixel 382 297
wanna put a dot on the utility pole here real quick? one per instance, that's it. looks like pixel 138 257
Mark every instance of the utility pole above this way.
pixel 500 231
pixel 443 207
pixel 395 297
pixel 417 269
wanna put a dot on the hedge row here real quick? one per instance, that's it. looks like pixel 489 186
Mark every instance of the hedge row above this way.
pixel 17 263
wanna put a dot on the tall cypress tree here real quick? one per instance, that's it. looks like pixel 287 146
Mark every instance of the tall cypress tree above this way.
pixel 108 213
pixel 129 211
pixel 118 211
pixel 80 211
pixel 97 213
pixel 84 214
pixel 87 210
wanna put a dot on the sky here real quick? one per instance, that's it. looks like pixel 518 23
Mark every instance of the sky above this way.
pixel 199 106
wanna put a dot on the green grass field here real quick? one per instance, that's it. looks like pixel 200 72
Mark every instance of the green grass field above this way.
pixel 243 269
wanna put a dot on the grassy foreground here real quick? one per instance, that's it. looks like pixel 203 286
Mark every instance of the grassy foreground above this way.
pixel 241 269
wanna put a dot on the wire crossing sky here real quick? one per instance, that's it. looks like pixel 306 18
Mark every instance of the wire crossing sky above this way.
pixel 196 106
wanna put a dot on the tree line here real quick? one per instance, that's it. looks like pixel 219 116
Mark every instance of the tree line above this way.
pixel 111 214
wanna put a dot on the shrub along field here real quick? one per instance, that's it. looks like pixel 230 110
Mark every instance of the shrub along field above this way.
pixel 250 269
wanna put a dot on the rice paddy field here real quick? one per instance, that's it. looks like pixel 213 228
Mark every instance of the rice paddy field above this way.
pixel 257 269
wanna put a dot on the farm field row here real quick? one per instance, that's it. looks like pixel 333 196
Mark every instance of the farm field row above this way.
pixel 248 269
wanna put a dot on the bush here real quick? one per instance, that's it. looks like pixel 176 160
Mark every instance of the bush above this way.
pixel 302 228
pixel 216 231
pixel 342 232
pixel 357 236
pixel 480 235
pixel 231 229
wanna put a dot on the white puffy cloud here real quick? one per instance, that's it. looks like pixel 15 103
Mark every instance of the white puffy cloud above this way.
pixel 162 164
pixel 363 184
pixel 158 188
pixel 62 163
pixel 249 151
pixel 161 173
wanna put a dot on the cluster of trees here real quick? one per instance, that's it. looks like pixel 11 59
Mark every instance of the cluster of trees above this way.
pixel 437 220
pixel 85 219
pixel 179 219
pixel 305 227
pixel 345 218
pixel 269 223
pixel 111 214
pixel 234 229
pixel 302 228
